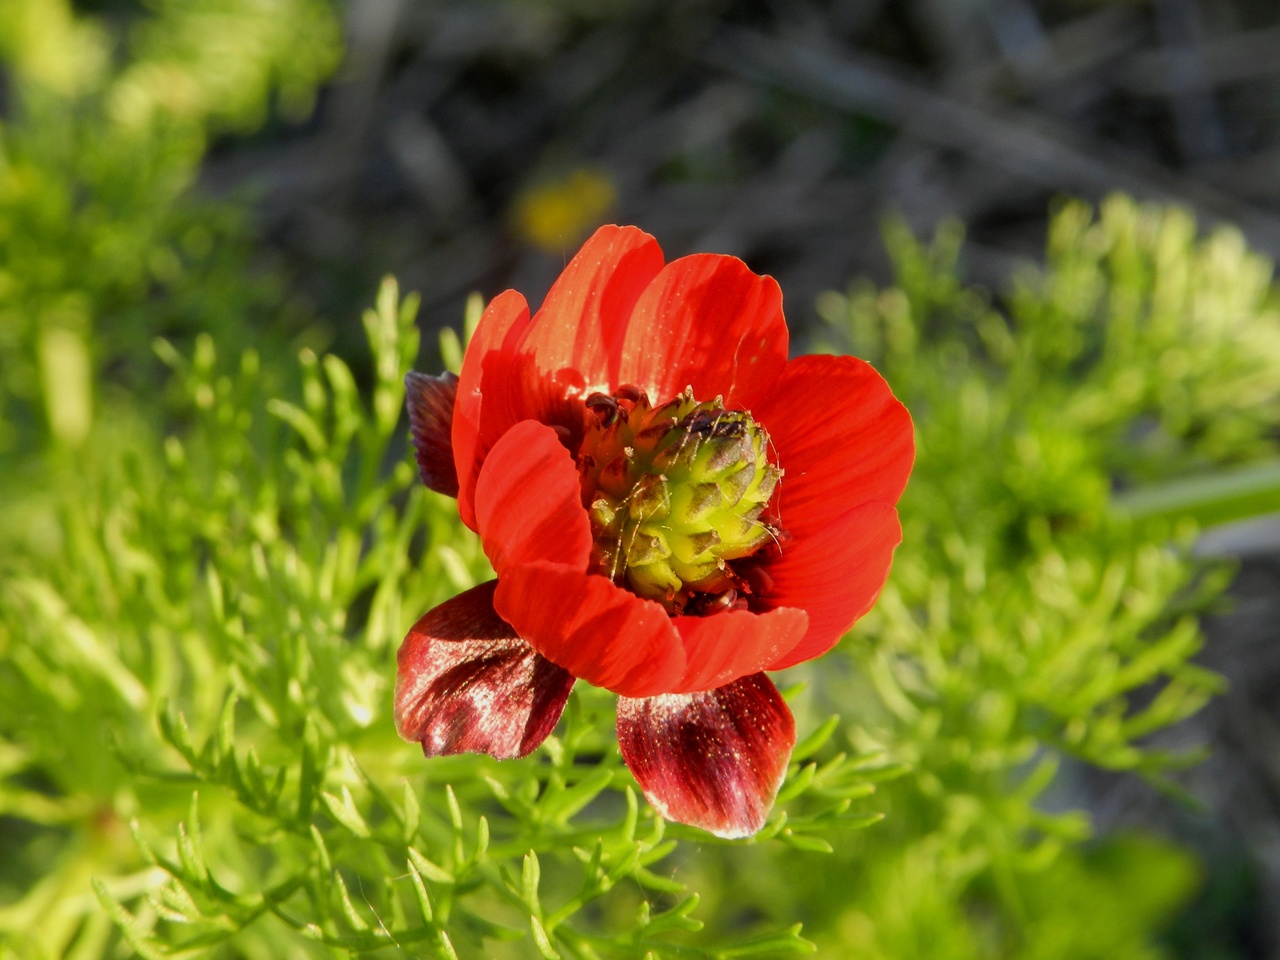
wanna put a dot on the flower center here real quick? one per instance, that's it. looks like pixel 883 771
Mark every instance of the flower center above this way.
pixel 675 493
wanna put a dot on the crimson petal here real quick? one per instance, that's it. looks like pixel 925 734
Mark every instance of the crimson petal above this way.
pixel 528 501
pixel 835 575
pixel 593 628
pixel 466 683
pixel 708 322
pixel 713 760
pixel 517 368
pixel 430 402
pixel 840 435
pixel 725 646
pixel 584 317
pixel 482 413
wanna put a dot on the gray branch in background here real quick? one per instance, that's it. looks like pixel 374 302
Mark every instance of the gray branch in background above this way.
pixel 1028 145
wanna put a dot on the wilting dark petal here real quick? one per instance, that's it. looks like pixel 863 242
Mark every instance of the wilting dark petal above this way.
pixel 528 501
pixel 430 403
pixel 714 759
pixel 834 574
pixel 466 683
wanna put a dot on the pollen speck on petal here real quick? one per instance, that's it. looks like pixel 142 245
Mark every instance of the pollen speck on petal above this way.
pixel 466 683
pixel 713 760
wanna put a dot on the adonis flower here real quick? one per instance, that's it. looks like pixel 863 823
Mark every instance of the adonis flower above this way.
pixel 671 507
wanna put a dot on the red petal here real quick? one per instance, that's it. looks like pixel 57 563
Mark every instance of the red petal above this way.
pixel 834 574
pixel 592 628
pixel 430 402
pixel 840 436
pixel 477 425
pixel 520 369
pixel 583 320
pixel 528 501
pixel 466 683
pixel 725 646
pixel 709 322
pixel 714 759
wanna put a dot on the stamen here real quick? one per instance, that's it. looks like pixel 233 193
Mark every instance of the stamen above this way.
pixel 755 580
pixel 604 407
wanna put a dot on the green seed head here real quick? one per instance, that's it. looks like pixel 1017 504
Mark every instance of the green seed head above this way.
pixel 675 493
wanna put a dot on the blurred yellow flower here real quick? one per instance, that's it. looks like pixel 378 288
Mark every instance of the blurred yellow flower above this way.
pixel 557 214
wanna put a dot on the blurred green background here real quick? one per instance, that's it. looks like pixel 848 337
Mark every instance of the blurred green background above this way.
pixel 211 540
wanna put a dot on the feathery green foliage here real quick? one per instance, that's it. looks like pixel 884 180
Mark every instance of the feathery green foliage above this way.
pixel 1030 620
pixel 209 553
pixel 224 621
pixel 102 243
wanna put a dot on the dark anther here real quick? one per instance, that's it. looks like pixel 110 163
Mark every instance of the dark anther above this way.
pixel 728 428
pixel 755 580
pixel 707 423
pixel 604 407
pixel 629 392
pixel 563 433
pixel 706 604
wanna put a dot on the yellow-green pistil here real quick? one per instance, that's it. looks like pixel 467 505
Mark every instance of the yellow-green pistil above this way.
pixel 675 493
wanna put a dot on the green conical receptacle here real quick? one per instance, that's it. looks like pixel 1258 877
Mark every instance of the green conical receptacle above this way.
pixel 680 491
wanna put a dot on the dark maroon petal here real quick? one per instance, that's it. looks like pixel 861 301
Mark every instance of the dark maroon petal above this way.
pixel 713 759
pixel 430 402
pixel 465 683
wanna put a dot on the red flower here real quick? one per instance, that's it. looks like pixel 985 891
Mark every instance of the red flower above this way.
pixel 671 506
